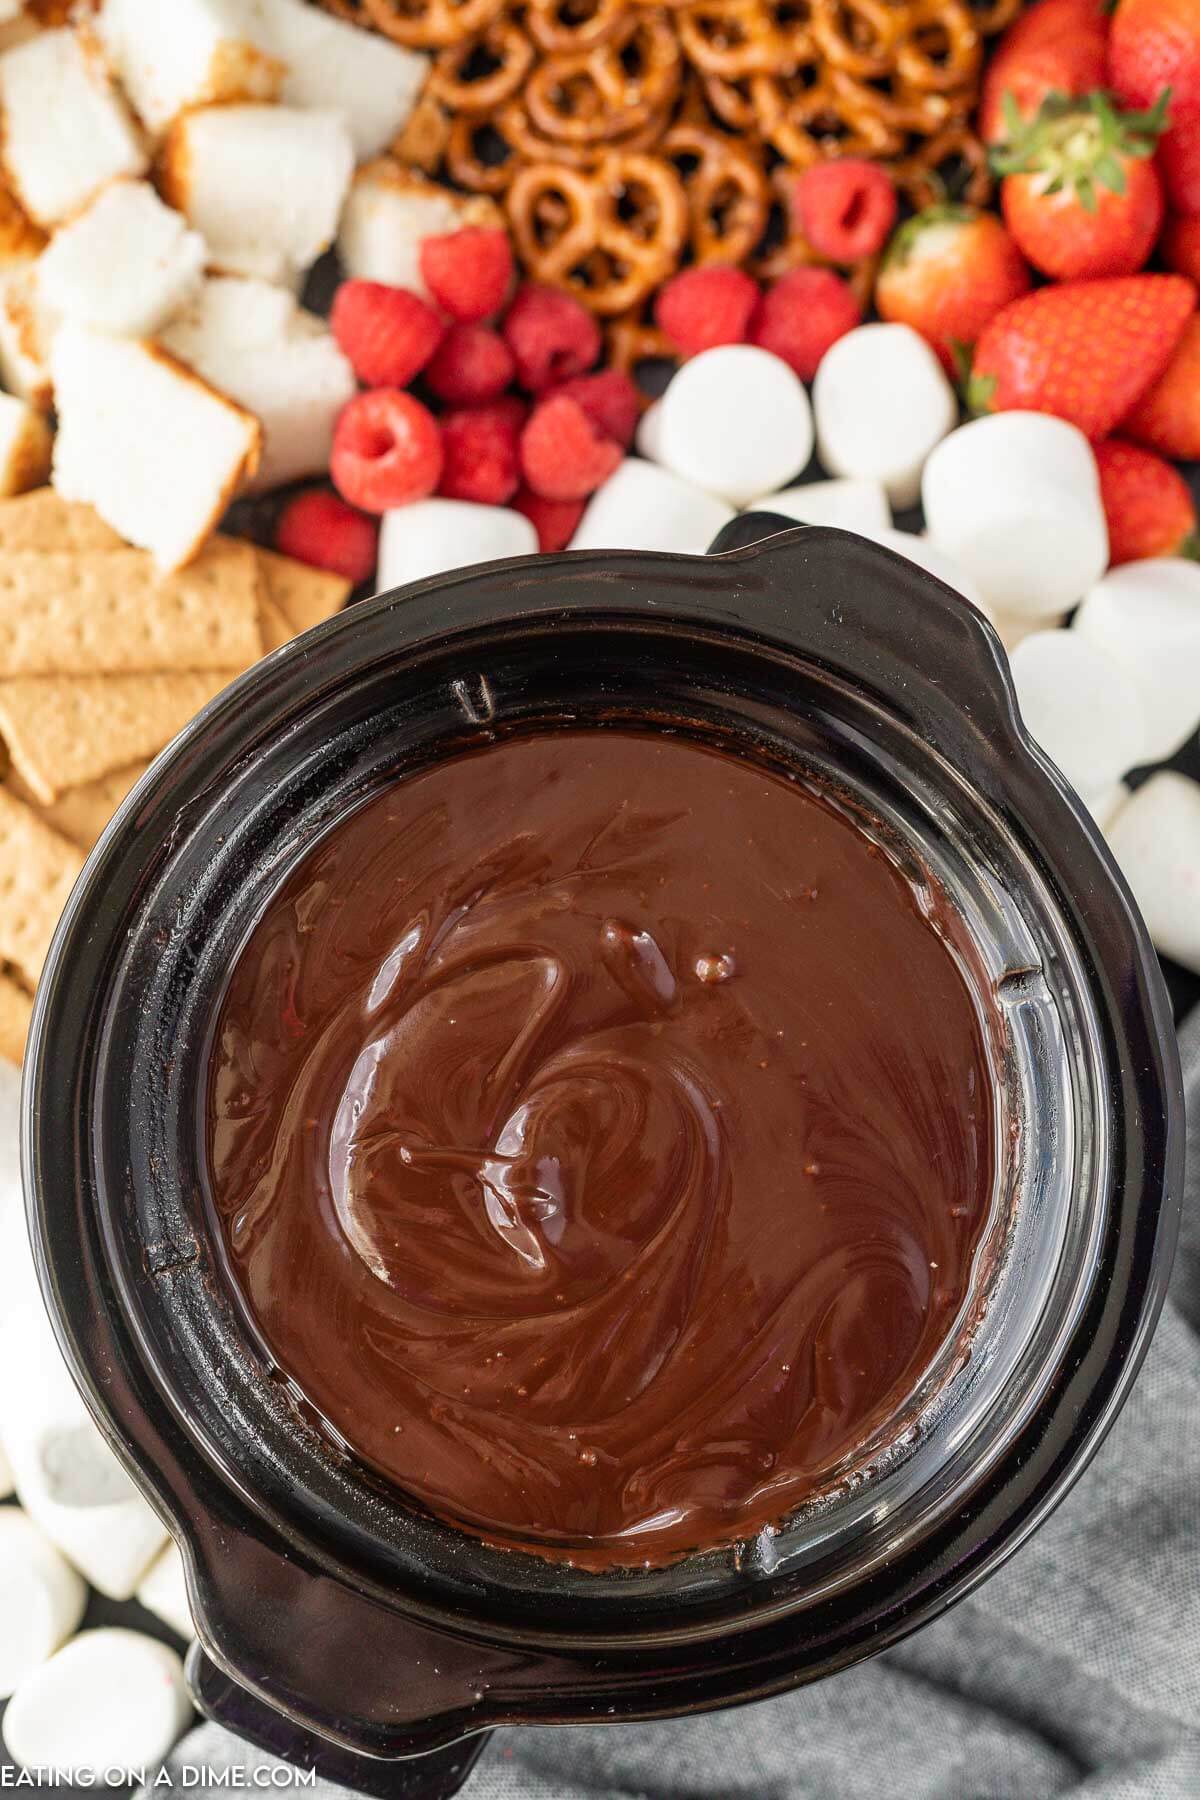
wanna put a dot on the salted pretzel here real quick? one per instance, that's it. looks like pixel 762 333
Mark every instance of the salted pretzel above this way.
pixel 992 16
pixel 611 235
pixel 727 192
pixel 567 27
pixel 943 49
pixel 432 24
pixel 529 145
pixel 829 118
pixel 858 36
pixel 479 157
pixel 481 73
pixel 920 178
pixel 734 38
pixel 604 93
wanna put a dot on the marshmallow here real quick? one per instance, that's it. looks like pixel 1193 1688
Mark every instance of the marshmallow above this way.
pixel 291 376
pixel 110 1700
pixel 882 402
pixel 26 333
pixel 43 1599
pixel 1081 707
pixel 646 437
pixel 8 1483
pixel 1013 630
pixel 163 1591
pixel 68 1480
pixel 67 132
pixel 736 422
pixel 268 179
pixel 1147 616
pixel 389 211
pixel 432 537
pixel 331 63
pixel 643 507
pixel 157 452
pixel 934 561
pixel 25 443
pixel 187 53
pixel 1016 498
pixel 125 265
pixel 1155 838
pixel 860 506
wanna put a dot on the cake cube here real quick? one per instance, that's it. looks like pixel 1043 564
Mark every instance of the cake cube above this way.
pixel 66 130
pixel 126 264
pixel 153 448
pixel 268 179
pixel 25 441
pixel 26 332
pixel 282 365
pixel 389 211
pixel 330 62
pixel 187 53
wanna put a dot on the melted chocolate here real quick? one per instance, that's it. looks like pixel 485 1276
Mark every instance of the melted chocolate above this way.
pixel 601 1131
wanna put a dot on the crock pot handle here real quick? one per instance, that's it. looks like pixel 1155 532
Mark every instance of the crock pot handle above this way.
pixel 750 528
pixel 437 1775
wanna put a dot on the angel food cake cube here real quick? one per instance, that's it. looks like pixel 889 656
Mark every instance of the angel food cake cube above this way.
pixel 126 264
pixel 171 54
pixel 66 130
pixel 389 212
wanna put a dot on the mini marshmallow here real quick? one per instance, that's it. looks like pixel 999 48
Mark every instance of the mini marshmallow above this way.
pixel 882 402
pixel 1147 616
pixel 25 444
pixel 643 507
pixel 434 537
pixel 646 437
pixel 848 505
pixel 163 1591
pixel 934 561
pixel 43 1599
pixel 125 265
pixel 736 422
pixel 1016 498
pixel 1155 838
pixel 68 1480
pixel 389 212
pixel 109 1700
pixel 67 132
pixel 156 451
pixel 187 53
pixel 264 178
pixel 331 63
pixel 1081 707
pixel 292 376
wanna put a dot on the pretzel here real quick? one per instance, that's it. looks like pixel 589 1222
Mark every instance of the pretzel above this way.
pixel 733 38
pixel 481 73
pixel 992 16
pixel 468 158
pixel 610 236
pixel 858 36
pixel 943 50
pixel 727 192
pixel 831 118
pixel 633 339
pixel 432 24
pixel 564 27
pixel 608 92
pixel 732 103
pixel 529 145
pixel 425 139
pixel 919 176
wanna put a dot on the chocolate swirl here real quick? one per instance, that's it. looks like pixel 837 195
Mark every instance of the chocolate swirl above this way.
pixel 601 1131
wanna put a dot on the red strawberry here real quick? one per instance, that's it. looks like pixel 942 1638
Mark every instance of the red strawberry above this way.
pixel 1057 47
pixel 387 334
pixel 1152 45
pixel 1179 162
pixel 480 446
pixel 611 400
pixel 319 529
pixel 468 272
pixel 563 455
pixel 805 312
pixel 846 208
pixel 1167 415
pixel 1085 351
pixel 1181 247
pixel 1081 195
pixel 553 520
pixel 701 308
pixel 1147 504
pixel 471 366
pixel 550 335
pixel 946 273
pixel 387 450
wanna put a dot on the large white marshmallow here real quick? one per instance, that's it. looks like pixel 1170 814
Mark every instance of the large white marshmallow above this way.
pixel 331 63
pixel 42 1598
pixel 292 376
pixel 1155 838
pixel 933 560
pixel 1016 498
pixel 645 438
pixel 25 442
pixel 847 504
pixel 389 212
pixel 736 422
pixel 643 507
pixel 187 53
pixel 1147 616
pixel 163 1591
pixel 433 537
pixel 67 131
pixel 126 264
pixel 882 402
pixel 1081 707
pixel 109 1700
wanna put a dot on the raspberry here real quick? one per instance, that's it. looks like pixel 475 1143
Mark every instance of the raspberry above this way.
pixel 563 455
pixel 387 333
pixel 802 315
pixel 551 336
pixel 702 308
pixel 610 399
pixel 468 272
pixel 319 529
pixel 387 450
pixel 846 209
pixel 471 366
pixel 481 452
pixel 553 520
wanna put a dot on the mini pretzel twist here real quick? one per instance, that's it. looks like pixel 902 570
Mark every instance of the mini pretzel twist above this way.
pixel 859 36
pixel 943 50
pixel 480 74
pixel 611 235
pixel 834 117
pixel 529 145
pixel 425 139
pixel 634 339
pixel 479 157
pixel 920 179
pixel 432 24
pixel 568 27
pixel 727 192
pixel 734 38
pixel 604 93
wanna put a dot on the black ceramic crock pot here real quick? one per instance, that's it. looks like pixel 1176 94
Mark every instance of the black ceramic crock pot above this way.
pixel 338 1624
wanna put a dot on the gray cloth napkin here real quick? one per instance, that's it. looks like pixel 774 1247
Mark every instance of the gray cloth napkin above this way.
pixel 1074 1671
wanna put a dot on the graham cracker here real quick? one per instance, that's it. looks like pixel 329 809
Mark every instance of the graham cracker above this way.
pixel 304 596
pixel 43 520
pixel 84 613
pixel 82 812
pixel 16 1010
pixel 273 626
pixel 38 869
pixel 64 732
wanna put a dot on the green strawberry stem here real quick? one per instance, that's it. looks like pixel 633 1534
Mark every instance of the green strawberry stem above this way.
pixel 1078 145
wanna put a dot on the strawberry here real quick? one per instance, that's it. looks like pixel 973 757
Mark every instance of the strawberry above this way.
pixel 1085 351
pixel 1147 504
pixel 1080 194
pixel 946 273
pixel 1167 415
pixel 1152 45
pixel 1181 247
pixel 319 529
pixel 1057 47
pixel 1179 162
